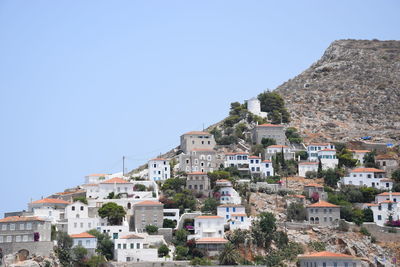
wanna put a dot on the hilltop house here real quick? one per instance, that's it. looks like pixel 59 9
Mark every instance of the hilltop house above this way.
pixel 392 196
pixel 314 148
pixel 267 168
pixel 208 226
pixel 388 163
pixel 228 194
pixel 313 188
pixel 240 160
pixel 305 167
pixel 77 219
pixel 198 182
pixel 254 106
pixel 323 213
pixel 96 178
pixel 235 216
pixel 369 177
pixel 159 169
pixel 328 259
pixel 148 213
pixel 197 140
pixel 26 232
pixel 385 211
pixel 49 208
pixel 359 155
pixel 253 164
pixel 272 131
pixel 328 158
pixel 274 149
pixel 85 240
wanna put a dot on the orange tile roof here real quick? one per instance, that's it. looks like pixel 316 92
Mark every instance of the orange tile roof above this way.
pixel 21 219
pixel 148 203
pixel 385 157
pixel 97 174
pixel 297 196
pixel 323 204
pixel 276 146
pixel 269 125
pixel 386 180
pixel 213 240
pixel 237 153
pixel 132 236
pixel 388 194
pixel 254 157
pixel 70 192
pixel 90 185
pixel 198 133
pixel 326 254
pixel 231 205
pixel 367 170
pixel 314 185
pixel 116 180
pixel 197 173
pixel 82 235
pixel 50 201
pixel 372 204
pixel 319 144
pixel 267 161
pixel 308 163
pixel 239 214
pixel 387 201
pixel 209 217
pixel 360 151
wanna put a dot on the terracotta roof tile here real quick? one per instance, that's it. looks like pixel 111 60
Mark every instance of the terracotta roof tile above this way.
pixel 366 170
pixel 21 219
pixel 159 159
pixel 209 217
pixel 385 157
pixel 148 203
pixel 388 194
pixel 82 235
pixel 97 174
pixel 50 201
pixel 313 185
pixel 254 157
pixel 116 180
pixel 277 146
pixel 297 196
pixel 213 240
pixel 322 204
pixel 360 151
pixel 266 161
pixel 197 133
pixel 132 236
pixel 326 254
pixel 239 214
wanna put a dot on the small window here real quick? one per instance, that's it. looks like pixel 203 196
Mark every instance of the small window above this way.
pixel 81 207
pixel 73 207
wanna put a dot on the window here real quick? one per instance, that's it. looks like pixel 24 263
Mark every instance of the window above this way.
pixel 29 226
pixel 379 217
pixel 87 243
pixel 124 246
pixel 9 238
pixel 80 242
pixel 119 246
pixel 73 207
pixel 4 227
pixel 335 264
pixel 138 245
pixel 25 238
pixel 132 246
pixel 227 216
pixel 82 206
pixel 81 224
pixel 12 226
pixel 324 264
pixel 1 239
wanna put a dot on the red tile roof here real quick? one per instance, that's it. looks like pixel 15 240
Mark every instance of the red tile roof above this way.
pixel 367 170
pixel 82 235
pixel 21 219
pixel 90 185
pixel 276 146
pixel 198 133
pixel 267 161
pixel 149 203
pixel 326 254
pixel 360 151
pixel 297 196
pixel 313 185
pixel 319 144
pixel 209 217
pixel 254 157
pixel 239 214
pixel 385 157
pixel 211 240
pixel 388 194
pixel 132 236
pixel 116 180
pixel 323 204
pixel 269 125
pixel 50 201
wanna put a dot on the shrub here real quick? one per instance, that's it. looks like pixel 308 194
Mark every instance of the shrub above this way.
pixel 317 246
pixel 167 223
pixel 266 142
pixel 343 226
pixel 296 212
pixel 163 250
pixel 139 187
pixel 364 231
pixel 311 174
pixel 151 229
pixel 200 261
pixel 81 199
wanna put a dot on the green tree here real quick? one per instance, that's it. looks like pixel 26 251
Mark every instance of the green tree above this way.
pixel 112 195
pixel 346 159
pixel 369 160
pixel 263 229
pixel 151 229
pixel 175 184
pixel 396 175
pixel 257 149
pixel 181 253
pixel 266 142
pixel 140 187
pixel 79 256
pixel 181 237
pixel 331 177
pixel 273 102
pixel 200 262
pixel 275 117
pixel 281 239
pixel 167 223
pixel 319 170
pixel 105 245
pixel 293 135
pixel 210 206
pixel 113 212
pixel 368 215
pixel 81 199
pixel 217 175
pixel 240 128
pixel 184 200
pixel 163 250
pixel 229 255
pixel 63 248
pixel 96 261
pixel 238 237
pixel 303 155
pixel 296 212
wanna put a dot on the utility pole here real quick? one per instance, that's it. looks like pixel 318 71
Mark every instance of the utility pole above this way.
pixel 123 165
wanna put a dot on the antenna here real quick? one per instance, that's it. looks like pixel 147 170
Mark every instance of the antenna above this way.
pixel 203 126
pixel 123 165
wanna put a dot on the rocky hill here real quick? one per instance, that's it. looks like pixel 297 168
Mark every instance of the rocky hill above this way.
pixel 352 91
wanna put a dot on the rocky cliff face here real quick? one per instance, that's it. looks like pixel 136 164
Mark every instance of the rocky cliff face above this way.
pixel 352 91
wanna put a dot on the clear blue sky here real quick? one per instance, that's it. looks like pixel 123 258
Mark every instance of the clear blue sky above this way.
pixel 84 82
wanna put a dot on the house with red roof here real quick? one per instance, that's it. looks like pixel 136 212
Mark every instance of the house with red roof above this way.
pixel 50 208
pixel 328 259
pixel 370 177
pixel 134 247
pixel 85 240
pixel 328 158
pixel 210 226
pixel 314 148
pixel 323 213
pixel 197 140
pixel 359 154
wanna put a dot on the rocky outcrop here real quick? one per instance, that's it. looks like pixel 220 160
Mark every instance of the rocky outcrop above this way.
pixel 352 91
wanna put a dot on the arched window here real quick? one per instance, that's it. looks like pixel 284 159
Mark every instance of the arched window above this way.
pixel 129 205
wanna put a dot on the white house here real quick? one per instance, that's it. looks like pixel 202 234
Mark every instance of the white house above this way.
pixel 171 214
pixel 384 210
pixel 240 160
pixel 254 106
pixel 255 164
pixel 305 167
pixel 228 195
pixel 393 196
pixel 234 215
pixel 328 259
pixel 273 149
pixel 359 155
pixel 159 169
pixel 267 168
pixel 208 226
pixel 96 178
pixel 314 148
pixel 134 248
pixel 369 177
pixel 48 208
pixel 328 158
pixel 114 231
pixel 78 220
pixel 85 240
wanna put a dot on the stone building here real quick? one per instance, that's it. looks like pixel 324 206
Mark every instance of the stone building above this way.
pixel 148 213
pixel 197 140
pixel 328 259
pixel 29 233
pixel 388 163
pixel 254 106
pixel 323 213
pixel 198 182
pixel 200 160
pixel 272 131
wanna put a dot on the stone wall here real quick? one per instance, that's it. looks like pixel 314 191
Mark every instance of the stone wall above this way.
pixel 167 233
pixel 381 233
pixel 43 248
